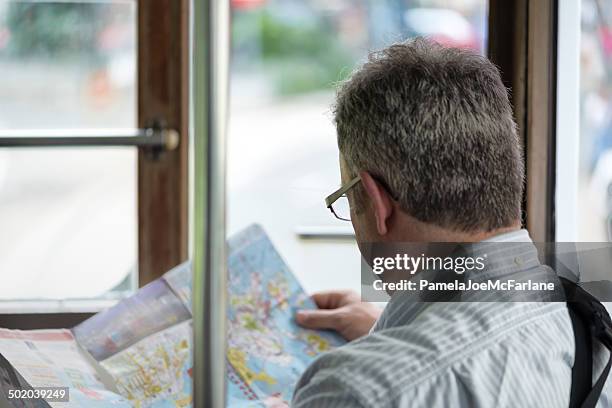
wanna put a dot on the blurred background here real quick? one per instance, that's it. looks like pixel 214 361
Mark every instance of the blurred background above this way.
pixel 68 216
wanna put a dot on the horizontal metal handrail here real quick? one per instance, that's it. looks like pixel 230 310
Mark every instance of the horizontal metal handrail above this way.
pixel 164 139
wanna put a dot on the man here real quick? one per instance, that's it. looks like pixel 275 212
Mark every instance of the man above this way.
pixel 429 153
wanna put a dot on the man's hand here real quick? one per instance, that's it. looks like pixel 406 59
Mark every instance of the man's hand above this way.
pixel 342 311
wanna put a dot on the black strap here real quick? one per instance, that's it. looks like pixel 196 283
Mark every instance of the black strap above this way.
pixel 590 320
pixel 593 396
pixel 582 371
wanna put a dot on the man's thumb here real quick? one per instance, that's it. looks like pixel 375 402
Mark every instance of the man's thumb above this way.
pixel 317 319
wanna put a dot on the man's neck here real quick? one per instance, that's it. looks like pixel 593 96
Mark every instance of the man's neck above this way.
pixel 418 231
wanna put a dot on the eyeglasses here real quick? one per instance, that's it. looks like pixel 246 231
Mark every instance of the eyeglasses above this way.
pixel 338 203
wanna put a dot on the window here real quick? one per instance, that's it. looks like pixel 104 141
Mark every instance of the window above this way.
pixel 594 206
pixel 82 227
pixel 282 155
pixel 68 215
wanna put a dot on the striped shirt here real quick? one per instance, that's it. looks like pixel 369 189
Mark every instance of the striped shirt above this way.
pixel 460 354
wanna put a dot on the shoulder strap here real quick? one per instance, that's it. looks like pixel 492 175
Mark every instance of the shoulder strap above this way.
pixel 582 371
pixel 590 320
pixel 593 397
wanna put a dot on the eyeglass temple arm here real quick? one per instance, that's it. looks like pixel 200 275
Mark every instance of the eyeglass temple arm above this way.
pixel 341 191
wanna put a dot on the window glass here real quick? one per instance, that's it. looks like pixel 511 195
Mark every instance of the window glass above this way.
pixel 68 221
pixel 287 56
pixel 595 159
pixel 67 64
pixel 67 216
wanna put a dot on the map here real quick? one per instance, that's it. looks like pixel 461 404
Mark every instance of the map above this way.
pixel 52 358
pixel 267 351
pixel 139 352
pixel 144 342
pixel 153 308
pixel 155 370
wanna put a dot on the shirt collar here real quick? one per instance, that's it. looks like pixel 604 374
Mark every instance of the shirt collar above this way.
pixel 520 235
pixel 520 254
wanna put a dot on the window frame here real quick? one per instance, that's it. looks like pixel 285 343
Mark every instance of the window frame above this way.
pixel 163 95
pixel 569 32
pixel 523 44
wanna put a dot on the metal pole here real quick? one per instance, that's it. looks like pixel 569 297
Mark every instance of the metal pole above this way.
pixel 164 139
pixel 209 71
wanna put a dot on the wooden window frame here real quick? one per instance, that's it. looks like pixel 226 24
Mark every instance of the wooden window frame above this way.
pixel 523 44
pixel 163 95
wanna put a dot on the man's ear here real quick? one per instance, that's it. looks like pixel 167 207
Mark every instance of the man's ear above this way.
pixel 381 202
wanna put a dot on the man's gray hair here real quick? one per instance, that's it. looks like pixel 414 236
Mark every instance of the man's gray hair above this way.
pixel 434 125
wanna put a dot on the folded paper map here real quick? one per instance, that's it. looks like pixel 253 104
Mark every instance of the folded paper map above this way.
pixel 138 353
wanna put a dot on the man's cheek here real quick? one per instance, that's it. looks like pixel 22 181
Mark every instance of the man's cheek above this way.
pixel 358 237
pixel 357 222
pixel 362 228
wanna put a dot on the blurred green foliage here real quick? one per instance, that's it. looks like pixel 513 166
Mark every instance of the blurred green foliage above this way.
pixel 57 30
pixel 299 57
